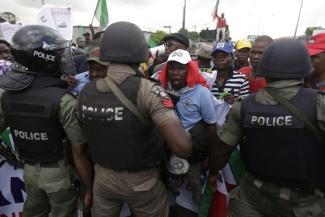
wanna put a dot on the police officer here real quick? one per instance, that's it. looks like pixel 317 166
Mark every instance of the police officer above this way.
pixel 40 115
pixel 285 161
pixel 124 146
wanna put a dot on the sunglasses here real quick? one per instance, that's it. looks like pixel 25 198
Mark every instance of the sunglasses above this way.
pixel 169 44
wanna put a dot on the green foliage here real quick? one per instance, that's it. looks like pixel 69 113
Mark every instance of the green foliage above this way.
pixel 194 36
pixel 184 31
pixel 156 38
pixel 309 30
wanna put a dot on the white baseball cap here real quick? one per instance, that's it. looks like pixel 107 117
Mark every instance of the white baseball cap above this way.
pixel 180 56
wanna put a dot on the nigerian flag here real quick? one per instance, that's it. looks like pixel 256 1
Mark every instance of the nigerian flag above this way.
pixel 8 142
pixel 101 13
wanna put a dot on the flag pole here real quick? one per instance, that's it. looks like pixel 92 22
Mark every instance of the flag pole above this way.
pixel 95 12
pixel 302 1
pixel 184 16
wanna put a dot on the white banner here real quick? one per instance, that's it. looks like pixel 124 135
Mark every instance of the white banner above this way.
pixel 12 190
pixel 58 18
pixel 8 30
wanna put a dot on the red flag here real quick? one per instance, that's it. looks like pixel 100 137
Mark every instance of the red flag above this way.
pixel 214 13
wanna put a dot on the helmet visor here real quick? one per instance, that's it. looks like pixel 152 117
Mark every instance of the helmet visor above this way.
pixel 66 62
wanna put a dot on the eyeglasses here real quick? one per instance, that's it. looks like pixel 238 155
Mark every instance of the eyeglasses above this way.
pixel 169 44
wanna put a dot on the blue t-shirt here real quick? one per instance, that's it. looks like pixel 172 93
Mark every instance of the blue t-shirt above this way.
pixel 194 105
pixel 83 79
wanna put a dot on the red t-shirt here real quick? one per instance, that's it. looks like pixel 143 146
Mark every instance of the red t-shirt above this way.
pixel 221 22
pixel 255 83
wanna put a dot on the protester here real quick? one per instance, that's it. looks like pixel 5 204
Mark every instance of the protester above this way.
pixel 221 28
pixel 195 109
pixel 283 156
pixel 40 113
pixel 97 70
pixel 255 55
pixel 81 43
pixel 316 49
pixel 243 47
pixel 204 60
pixel 87 38
pixel 173 42
pixel 121 128
pixel 229 84
pixel 5 53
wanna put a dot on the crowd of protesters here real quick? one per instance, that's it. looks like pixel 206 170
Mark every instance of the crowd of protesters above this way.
pixel 136 127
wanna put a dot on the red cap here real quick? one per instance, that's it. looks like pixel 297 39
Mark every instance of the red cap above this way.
pixel 316 45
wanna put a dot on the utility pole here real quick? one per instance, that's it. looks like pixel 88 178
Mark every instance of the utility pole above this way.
pixel 184 12
pixel 302 1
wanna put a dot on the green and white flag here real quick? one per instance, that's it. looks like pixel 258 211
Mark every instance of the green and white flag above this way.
pixel 101 13
pixel 8 142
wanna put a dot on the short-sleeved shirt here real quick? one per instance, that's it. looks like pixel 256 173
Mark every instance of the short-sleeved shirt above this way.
pixel 232 131
pixel 69 120
pixel 195 105
pixel 255 83
pixel 82 79
pixel 237 84
pixel 151 99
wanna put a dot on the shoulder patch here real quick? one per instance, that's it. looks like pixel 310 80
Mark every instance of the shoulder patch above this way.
pixel 165 99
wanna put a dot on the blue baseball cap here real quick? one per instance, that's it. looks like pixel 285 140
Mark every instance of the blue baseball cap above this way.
pixel 224 47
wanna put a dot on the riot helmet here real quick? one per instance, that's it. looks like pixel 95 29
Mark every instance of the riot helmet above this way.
pixel 285 58
pixel 124 42
pixel 41 50
pixel 37 50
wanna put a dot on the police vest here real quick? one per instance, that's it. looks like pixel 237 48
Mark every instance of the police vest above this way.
pixel 276 145
pixel 33 116
pixel 116 138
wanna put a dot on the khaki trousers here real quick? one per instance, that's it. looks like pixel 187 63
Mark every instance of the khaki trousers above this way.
pixel 255 198
pixel 143 191
pixel 49 190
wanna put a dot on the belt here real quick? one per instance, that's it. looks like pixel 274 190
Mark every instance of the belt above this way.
pixel 51 164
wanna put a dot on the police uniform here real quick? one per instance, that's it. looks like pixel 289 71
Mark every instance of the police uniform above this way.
pixel 126 151
pixel 124 142
pixel 41 115
pixel 285 162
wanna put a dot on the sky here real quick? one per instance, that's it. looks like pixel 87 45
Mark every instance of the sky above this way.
pixel 276 18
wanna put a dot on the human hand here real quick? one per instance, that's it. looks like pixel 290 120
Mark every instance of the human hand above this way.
pixel 71 80
pixel 230 99
pixel 212 181
pixel 88 200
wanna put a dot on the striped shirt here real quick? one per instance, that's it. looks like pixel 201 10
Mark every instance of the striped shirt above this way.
pixel 237 85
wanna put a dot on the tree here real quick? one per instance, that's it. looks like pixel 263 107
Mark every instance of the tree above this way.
pixel 156 38
pixel 309 30
pixel 193 36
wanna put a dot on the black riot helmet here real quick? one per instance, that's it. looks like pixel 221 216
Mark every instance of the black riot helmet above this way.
pixel 285 58
pixel 41 50
pixel 124 42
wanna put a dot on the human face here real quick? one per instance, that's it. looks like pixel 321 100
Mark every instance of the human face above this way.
pixel 318 61
pixel 5 52
pixel 177 75
pixel 81 43
pixel 242 55
pixel 172 45
pixel 256 53
pixel 222 60
pixel 96 71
